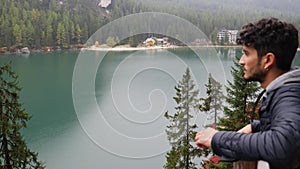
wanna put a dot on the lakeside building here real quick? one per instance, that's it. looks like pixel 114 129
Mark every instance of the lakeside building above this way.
pixel 104 3
pixel 227 36
pixel 156 41
pixel 149 42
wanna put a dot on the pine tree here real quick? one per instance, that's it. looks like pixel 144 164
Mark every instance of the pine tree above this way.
pixel 28 37
pixel 61 38
pixel 72 33
pixel 17 32
pixel 215 96
pixel 14 151
pixel 172 159
pixel 49 32
pixel 78 34
pixel 240 98
pixel 181 132
pixel 213 104
pixel 133 40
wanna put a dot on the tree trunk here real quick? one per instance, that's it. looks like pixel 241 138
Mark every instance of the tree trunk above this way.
pixel 4 141
pixel 245 165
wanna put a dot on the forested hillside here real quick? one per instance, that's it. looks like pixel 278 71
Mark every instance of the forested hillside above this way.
pixel 212 15
pixel 38 23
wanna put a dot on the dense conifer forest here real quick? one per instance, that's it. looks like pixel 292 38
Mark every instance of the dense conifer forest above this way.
pixel 38 23
pixel 65 23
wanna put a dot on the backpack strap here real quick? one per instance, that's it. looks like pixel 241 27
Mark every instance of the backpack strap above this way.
pixel 256 103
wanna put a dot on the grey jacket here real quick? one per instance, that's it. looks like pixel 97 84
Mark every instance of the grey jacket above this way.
pixel 275 137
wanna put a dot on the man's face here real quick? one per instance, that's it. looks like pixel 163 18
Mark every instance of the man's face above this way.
pixel 253 70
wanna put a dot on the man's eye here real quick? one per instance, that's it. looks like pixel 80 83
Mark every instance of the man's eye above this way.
pixel 244 52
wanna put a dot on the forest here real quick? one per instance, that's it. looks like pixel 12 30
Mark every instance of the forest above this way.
pixel 66 23
pixel 39 23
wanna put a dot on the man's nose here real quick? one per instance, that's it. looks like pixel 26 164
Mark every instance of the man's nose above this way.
pixel 241 61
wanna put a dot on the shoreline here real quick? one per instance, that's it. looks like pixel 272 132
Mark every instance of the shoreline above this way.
pixel 122 48
pixel 127 48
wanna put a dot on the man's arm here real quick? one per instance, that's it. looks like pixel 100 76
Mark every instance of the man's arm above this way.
pixel 279 145
pixel 247 129
pixel 204 138
pixel 251 128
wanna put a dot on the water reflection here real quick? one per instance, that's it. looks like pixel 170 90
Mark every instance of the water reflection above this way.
pixel 55 132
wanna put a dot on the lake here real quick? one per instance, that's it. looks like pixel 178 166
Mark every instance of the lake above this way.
pixel 104 110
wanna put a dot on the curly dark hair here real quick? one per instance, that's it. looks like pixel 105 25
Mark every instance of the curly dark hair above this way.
pixel 271 35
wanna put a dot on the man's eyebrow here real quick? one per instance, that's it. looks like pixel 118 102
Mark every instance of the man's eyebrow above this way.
pixel 245 51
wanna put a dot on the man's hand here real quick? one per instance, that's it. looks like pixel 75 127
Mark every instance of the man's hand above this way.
pixel 203 138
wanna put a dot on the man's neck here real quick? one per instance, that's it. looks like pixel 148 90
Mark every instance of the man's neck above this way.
pixel 271 75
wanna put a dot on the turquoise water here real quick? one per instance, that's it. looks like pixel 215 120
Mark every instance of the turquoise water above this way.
pixel 97 110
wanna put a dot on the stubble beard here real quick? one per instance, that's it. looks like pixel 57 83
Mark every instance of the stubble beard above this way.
pixel 258 75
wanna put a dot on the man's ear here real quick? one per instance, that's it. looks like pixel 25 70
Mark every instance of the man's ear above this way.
pixel 269 60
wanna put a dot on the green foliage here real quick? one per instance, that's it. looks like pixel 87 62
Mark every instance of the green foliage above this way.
pixel 36 23
pixel 133 42
pixel 78 32
pixel 172 158
pixel 214 163
pixel 61 35
pixel 82 18
pixel 14 151
pixel 225 165
pixel 230 14
pixel 180 131
pixel 17 34
pixel 213 103
pixel 221 165
pixel 213 35
pixel 110 41
pixel 240 99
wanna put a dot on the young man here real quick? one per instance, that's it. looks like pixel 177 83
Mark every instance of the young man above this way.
pixel 269 47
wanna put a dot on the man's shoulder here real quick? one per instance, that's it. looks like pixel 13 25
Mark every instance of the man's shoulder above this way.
pixel 286 93
pixel 289 88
